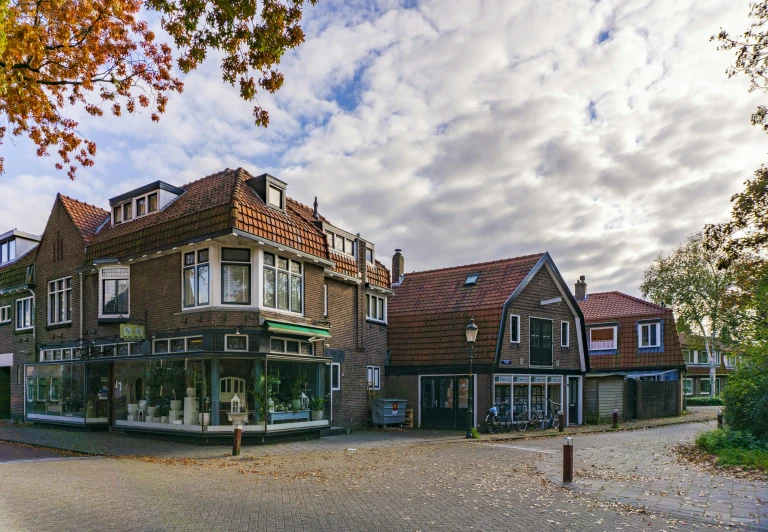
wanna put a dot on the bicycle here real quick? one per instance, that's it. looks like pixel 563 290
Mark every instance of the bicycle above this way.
pixel 521 417
pixel 553 419
pixel 498 416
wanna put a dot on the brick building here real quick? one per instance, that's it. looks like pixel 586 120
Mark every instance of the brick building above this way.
pixel 698 379
pixel 530 349
pixel 635 357
pixel 164 311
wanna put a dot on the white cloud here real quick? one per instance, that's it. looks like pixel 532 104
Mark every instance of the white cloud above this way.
pixel 469 131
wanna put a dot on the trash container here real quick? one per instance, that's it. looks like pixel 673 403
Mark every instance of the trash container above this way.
pixel 388 412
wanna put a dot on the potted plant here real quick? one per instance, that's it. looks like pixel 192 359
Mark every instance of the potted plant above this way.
pixel 151 410
pixel 316 405
pixel 298 388
pixel 162 412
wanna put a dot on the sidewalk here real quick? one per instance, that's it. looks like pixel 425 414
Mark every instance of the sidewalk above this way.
pixel 124 445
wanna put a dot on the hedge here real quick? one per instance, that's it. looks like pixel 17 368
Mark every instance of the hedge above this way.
pixel 704 401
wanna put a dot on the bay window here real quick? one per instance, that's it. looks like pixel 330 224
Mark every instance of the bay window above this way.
pixel 196 278
pixel 115 285
pixel 283 283
pixel 60 301
pixel 24 313
pixel 236 276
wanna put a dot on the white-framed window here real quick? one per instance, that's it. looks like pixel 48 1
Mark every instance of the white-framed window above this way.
pixel 688 355
pixel 649 334
pixel 175 345
pixel 275 196
pixel 688 386
pixel 115 291
pixel 565 334
pixel 716 356
pixel 706 387
pixel 718 386
pixel 340 243
pixel 376 308
pixel 8 251
pixel 5 314
pixel 60 301
pixel 335 376
pixel 369 255
pixel 24 313
pixel 235 342
pixel 125 212
pixel 283 283
pixel 602 338
pixel 374 377
pixel 730 361
pixel 514 328
pixel 196 274
pixel 236 276
pixel 291 347
pixel 325 300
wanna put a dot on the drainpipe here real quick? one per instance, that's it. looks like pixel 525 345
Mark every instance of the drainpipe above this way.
pixel 80 339
pixel 34 324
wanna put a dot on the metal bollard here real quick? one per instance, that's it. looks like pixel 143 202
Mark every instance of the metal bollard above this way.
pixel 237 438
pixel 719 419
pixel 561 421
pixel 615 418
pixel 568 461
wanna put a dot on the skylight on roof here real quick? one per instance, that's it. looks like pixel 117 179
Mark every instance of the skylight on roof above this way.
pixel 471 279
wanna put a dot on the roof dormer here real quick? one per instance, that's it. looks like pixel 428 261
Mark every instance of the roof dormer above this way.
pixel 15 244
pixel 142 201
pixel 270 189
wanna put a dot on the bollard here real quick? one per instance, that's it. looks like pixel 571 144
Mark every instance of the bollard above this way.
pixel 615 419
pixel 568 461
pixel 561 421
pixel 719 419
pixel 237 438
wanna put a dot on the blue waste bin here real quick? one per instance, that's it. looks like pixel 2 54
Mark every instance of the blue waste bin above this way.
pixel 388 412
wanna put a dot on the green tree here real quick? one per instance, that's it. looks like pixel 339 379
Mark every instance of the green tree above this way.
pixel 700 293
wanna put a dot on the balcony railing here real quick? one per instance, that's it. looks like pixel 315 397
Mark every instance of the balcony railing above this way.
pixel 601 345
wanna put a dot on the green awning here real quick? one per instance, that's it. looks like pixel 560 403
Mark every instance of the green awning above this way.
pixel 292 328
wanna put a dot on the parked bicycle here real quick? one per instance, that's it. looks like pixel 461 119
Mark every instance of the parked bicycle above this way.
pixel 498 416
pixel 521 417
pixel 552 420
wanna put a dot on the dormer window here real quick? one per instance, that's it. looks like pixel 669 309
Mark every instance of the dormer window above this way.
pixel 471 279
pixel 127 211
pixel 152 202
pixel 141 206
pixel 340 243
pixel 142 201
pixel 649 334
pixel 275 197
pixel 8 251
pixel 118 215
pixel 369 255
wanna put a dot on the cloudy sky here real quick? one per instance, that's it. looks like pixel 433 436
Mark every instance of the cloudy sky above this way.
pixel 603 132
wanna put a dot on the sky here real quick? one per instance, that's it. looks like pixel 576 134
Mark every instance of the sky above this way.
pixel 602 132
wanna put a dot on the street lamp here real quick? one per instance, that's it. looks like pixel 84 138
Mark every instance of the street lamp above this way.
pixel 471 331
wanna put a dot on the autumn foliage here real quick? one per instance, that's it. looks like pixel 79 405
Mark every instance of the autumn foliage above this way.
pixel 101 56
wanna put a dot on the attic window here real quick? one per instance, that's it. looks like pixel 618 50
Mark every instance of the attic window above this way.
pixel 275 197
pixel 471 279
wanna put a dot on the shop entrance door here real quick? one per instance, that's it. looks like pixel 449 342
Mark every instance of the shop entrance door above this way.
pixel 5 393
pixel 444 402
pixel 573 400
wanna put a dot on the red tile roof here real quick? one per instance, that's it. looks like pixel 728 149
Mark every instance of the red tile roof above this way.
pixel 379 275
pixel 345 264
pixel 430 310
pixel 15 273
pixel 87 218
pixel 627 310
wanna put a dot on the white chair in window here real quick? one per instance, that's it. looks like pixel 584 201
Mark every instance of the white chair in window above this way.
pixel 230 387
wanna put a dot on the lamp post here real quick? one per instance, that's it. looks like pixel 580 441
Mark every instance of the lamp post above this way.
pixel 471 331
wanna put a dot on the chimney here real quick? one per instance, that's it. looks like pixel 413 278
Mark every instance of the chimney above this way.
pixel 581 288
pixel 314 213
pixel 398 266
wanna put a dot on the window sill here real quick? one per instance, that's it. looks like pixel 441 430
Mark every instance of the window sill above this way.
pixel 26 330
pixel 107 320
pixel 377 322
pixel 58 326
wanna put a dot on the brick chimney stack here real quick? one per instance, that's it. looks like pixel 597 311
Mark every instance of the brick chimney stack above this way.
pixel 581 288
pixel 398 266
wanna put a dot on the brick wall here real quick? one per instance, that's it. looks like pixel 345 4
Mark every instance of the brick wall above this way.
pixel 528 304
pixel 22 347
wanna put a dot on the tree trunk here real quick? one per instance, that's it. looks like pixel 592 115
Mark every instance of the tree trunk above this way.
pixel 712 367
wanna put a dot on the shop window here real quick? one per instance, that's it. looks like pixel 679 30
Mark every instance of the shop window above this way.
pixel 277 346
pixel 283 283
pixel 24 313
pixel 174 345
pixel 178 345
pixel 293 347
pixel 196 275
pixel 195 344
pixel 236 276
pixel 235 342
pixel 374 377
pixel 335 376
pixel 299 394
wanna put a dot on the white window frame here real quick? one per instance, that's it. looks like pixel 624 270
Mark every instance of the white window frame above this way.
pixel 688 385
pixel 640 327
pixel 5 314
pixel 285 346
pixel 228 336
pixel 271 189
pixel 7 247
pixel 195 267
pixel 700 386
pixel 325 300
pixel 134 203
pixel 57 296
pixel 565 339
pixel 716 355
pixel 375 299
pixel 116 276
pixel 373 256
pixel 373 375
pixel 516 329
pixel 223 263
pixel 21 323
pixel 615 339
pixel 336 366
pixel 291 275
pixel 169 352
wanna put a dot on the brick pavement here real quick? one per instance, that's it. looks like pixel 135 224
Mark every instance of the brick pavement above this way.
pixel 451 486
pixel 638 468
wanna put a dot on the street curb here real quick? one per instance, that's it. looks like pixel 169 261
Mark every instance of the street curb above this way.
pixel 52 448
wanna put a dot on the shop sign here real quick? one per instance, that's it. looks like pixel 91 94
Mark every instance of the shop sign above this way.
pixel 506 363
pixel 503 379
pixel 132 332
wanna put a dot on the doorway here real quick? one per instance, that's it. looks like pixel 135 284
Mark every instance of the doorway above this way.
pixel 444 402
pixel 573 400
pixel 5 393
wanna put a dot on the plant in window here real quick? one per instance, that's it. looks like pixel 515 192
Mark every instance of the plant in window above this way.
pixel 316 405
pixel 299 386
